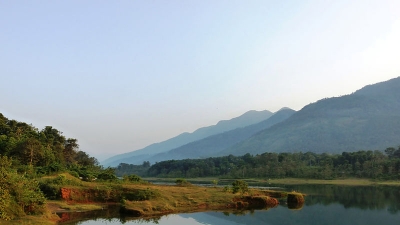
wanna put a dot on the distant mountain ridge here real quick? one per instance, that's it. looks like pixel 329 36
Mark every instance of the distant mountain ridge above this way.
pixel 367 119
pixel 248 118
pixel 212 145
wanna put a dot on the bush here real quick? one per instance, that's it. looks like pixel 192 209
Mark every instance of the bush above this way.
pixel 240 186
pixel 108 174
pixel 182 182
pixel 133 178
pixel 18 194
pixel 141 195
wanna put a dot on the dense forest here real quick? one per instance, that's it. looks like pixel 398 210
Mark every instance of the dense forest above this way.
pixel 45 151
pixel 26 154
pixel 361 164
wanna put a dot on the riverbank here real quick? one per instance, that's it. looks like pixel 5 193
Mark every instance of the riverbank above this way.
pixel 285 181
pixel 148 200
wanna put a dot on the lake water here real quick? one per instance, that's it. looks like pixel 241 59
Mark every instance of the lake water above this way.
pixel 325 204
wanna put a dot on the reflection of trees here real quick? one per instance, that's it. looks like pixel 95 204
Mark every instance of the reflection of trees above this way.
pixel 362 197
pixel 109 213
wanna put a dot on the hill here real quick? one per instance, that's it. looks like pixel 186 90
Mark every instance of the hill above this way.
pixel 212 145
pixel 138 156
pixel 367 119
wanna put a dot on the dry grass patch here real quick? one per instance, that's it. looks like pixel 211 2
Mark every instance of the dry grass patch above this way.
pixel 174 199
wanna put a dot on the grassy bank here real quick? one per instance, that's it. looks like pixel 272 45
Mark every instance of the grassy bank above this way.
pixel 141 198
pixel 190 198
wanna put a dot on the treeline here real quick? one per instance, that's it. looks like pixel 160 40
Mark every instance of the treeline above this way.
pixel 361 164
pixel 44 151
pixel 127 169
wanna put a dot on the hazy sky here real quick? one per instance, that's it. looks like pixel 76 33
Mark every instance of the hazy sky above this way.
pixel 120 75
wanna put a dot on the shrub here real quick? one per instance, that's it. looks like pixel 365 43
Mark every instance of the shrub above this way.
pixel 133 178
pixel 108 174
pixel 140 195
pixel 182 182
pixel 240 186
pixel 18 194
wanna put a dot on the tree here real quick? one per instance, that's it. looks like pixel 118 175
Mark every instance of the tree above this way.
pixel 70 150
pixel 83 159
pixel 390 152
pixel 108 174
pixel 29 152
pixel 240 186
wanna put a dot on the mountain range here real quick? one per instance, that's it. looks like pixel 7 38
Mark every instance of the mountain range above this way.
pixel 367 119
pixel 138 156
pixel 212 145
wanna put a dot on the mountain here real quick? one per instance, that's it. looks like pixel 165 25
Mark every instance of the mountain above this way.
pixel 138 156
pixel 368 119
pixel 212 145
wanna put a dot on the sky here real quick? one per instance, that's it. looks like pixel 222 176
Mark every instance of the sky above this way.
pixel 121 75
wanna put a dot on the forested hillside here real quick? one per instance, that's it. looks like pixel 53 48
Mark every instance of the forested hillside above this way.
pixel 212 145
pixel 366 119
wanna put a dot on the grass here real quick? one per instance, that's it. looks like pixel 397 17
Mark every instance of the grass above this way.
pixel 174 199
pixel 155 199
pixel 47 219
pixel 62 205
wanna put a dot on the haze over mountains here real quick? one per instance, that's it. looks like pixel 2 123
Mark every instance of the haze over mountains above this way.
pixel 248 118
pixel 212 145
pixel 368 119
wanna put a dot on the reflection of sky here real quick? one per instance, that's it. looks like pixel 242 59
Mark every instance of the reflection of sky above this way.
pixel 206 218
pixel 331 214
pixel 165 220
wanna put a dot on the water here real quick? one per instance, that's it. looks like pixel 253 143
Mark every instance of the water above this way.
pixel 325 204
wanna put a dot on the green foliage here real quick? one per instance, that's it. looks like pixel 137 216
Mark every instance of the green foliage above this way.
pixel 240 186
pixel 182 182
pixel 108 175
pixel 127 169
pixel 141 195
pixel 133 178
pixel 215 182
pixel 46 151
pixel 50 191
pixel 19 195
pixel 227 189
pixel 360 164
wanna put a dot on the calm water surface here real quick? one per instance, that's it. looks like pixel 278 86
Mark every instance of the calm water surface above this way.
pixel 325 204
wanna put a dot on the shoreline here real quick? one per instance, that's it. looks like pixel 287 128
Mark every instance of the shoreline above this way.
pixel 171 199
pixel 286 181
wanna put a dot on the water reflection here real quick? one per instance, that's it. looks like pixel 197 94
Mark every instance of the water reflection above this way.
pixel 363 197
pixel 325 204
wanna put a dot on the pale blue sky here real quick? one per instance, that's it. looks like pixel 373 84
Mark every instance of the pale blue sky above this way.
pixel 120 75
